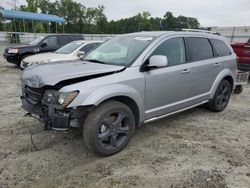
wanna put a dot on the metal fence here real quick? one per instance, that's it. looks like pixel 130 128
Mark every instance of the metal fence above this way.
pixel 27 37
pixel 234 34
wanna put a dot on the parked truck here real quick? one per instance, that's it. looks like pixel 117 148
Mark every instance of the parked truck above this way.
pixel 242 50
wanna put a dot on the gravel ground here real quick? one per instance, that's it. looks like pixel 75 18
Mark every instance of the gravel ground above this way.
pixel 196 148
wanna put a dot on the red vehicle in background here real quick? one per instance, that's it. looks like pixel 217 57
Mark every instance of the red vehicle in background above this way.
pixel 242 50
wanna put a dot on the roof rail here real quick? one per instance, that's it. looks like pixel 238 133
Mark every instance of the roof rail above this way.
pixel 200 30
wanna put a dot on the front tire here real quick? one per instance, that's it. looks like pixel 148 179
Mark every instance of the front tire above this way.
pixel 221 97
pixel 108 128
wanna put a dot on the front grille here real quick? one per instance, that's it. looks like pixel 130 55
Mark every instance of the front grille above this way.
pixel 33 95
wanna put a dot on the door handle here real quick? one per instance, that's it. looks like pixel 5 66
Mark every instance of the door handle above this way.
pixel 216 64
pixel 185 71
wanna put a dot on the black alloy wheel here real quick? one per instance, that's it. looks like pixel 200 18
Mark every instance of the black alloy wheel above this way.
pixel 108 128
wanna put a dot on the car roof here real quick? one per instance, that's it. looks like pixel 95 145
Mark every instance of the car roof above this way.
pixel 157 34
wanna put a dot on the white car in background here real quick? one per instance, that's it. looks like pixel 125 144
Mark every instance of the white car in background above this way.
pixel 71 51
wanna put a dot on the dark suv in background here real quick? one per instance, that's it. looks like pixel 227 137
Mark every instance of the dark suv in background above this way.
pixel 16 54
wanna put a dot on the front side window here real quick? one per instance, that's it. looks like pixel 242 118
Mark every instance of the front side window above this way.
pixel 199 48
pixel 88 47
pixel 51 41
pixel 173 49
pixel 220 47
pixel 37 40
pixel 121 50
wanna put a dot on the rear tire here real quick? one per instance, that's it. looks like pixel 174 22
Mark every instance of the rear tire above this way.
pixel 108 128
pixel 221 97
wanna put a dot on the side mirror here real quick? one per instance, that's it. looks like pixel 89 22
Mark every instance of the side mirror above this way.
pixel 80 54
pixel 156 61
pixel 44 44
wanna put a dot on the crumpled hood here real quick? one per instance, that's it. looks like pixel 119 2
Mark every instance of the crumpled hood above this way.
pixel 52 73
pixel 50 56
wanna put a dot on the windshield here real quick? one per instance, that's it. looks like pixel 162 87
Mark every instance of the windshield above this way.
pixel 69 48
pixel 36 41
pixel 122 50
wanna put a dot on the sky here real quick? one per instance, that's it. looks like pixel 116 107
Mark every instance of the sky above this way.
pixel 208 12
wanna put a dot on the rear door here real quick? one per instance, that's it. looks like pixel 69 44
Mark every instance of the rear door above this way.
pixel 204 66
pixel 62 40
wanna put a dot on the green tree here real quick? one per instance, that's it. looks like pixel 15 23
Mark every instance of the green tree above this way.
pixel 81 19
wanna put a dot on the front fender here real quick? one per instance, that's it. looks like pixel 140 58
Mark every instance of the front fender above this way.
pixel 219 78
pixel 107 92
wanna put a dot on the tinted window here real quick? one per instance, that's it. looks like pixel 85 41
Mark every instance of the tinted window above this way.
pixel 199 48
pixel 76 37
pixel 220 47
pixel 88 47
pixel 63 40
pixel 51 41
pixel 173 49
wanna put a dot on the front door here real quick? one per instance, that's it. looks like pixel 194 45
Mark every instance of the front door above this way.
pixel 49 44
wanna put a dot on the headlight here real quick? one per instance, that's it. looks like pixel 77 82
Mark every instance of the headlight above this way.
pixel 58 99
pixel 38 62
pixel 13 51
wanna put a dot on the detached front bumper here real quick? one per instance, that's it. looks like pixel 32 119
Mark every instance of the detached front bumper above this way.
pixel 52 118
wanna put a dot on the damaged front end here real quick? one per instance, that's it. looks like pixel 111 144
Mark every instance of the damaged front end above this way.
pixel 41 94
pixel 50 106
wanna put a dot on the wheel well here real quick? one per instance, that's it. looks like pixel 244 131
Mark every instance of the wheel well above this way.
pixel 26 54
pixel 131 104
pixel 230 80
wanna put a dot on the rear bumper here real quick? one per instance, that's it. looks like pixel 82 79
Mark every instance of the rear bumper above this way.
pixel 242 78
pixel 12 58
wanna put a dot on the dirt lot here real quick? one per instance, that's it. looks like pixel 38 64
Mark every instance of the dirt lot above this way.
pixel 196 148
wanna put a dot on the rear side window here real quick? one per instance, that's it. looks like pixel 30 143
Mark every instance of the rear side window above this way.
pixel 76 37
pixel 199 49
pixel 220 47
pixel 173 49
pixel 51 41
pixel 63 40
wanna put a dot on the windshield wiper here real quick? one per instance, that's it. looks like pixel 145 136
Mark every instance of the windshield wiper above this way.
pixel 94 61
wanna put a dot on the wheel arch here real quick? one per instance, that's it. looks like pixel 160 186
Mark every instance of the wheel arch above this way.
pixel 122 93
pixel 130 103
pixel 224 75
pixel 26 54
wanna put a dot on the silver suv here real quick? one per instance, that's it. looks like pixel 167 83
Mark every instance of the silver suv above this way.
pixel 130 80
